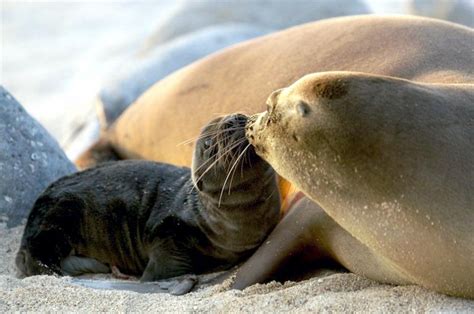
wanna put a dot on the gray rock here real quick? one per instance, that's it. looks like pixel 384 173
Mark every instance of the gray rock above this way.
pixel 190 15
pixel 457 11
pixel 30 159
pixel 127 86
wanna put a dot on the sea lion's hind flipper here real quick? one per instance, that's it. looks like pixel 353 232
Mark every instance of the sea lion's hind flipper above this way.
pixel 165 261
pixel 182 286
pixel 78 265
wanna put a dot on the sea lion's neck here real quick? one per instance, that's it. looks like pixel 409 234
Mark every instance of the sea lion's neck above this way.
pixel 242 191
pixel 251 205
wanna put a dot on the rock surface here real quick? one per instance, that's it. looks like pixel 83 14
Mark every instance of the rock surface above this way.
pixel 128 85
pixel 30 159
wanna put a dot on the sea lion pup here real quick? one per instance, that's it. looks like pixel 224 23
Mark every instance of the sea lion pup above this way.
pixel 389 160
pixel 156 220
pixel 240 78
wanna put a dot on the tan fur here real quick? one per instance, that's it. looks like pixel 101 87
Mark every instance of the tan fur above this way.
pixel 239 79
pixel 391 161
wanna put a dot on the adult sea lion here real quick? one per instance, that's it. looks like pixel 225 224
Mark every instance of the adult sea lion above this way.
pixel 240 78
pixel 391 161
pixel 156 220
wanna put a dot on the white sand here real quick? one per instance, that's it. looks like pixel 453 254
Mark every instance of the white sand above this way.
pixel 330 292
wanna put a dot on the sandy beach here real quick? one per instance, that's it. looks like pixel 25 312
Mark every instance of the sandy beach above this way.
pixel 56 75
pixel 328 292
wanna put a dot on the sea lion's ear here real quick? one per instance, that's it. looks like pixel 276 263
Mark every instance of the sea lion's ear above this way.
pixel 273 98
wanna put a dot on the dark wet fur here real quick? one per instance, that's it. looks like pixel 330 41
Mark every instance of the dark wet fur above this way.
pixel 147 218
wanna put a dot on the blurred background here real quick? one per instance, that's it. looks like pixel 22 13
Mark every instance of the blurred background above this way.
pixel 76 65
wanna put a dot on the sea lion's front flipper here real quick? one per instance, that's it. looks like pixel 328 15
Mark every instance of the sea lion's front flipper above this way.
pixel 166 260
pixel 292 238
pixel 181 286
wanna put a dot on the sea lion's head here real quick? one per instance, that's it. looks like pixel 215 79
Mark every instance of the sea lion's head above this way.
pixel 328 130
pixel 224 160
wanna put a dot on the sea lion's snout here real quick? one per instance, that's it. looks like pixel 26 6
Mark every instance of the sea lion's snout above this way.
pixel 223 155
pixel 231 133
pixel 222 145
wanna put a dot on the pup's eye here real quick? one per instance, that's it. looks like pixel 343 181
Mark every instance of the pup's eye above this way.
pixel 208 143
pixel 303 109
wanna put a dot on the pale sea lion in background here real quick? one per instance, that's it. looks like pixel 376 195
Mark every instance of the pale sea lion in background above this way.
pixel 391 161
pixel 156 220
pixel 240 78
pixel 189 15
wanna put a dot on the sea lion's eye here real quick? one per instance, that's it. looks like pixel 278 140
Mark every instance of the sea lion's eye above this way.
pixel 208 143
pixel 302 109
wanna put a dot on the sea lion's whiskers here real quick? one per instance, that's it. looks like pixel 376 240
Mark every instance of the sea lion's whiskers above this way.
pixel 200 136
pixel 204 173
pixel 235 170
pixel 233 166
pixel 207 161
pixel 206 134
pixel 194 138
pixel 217 160
pixel 229 152
pixel 271 194
pixel 225 140
pixel 234 152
